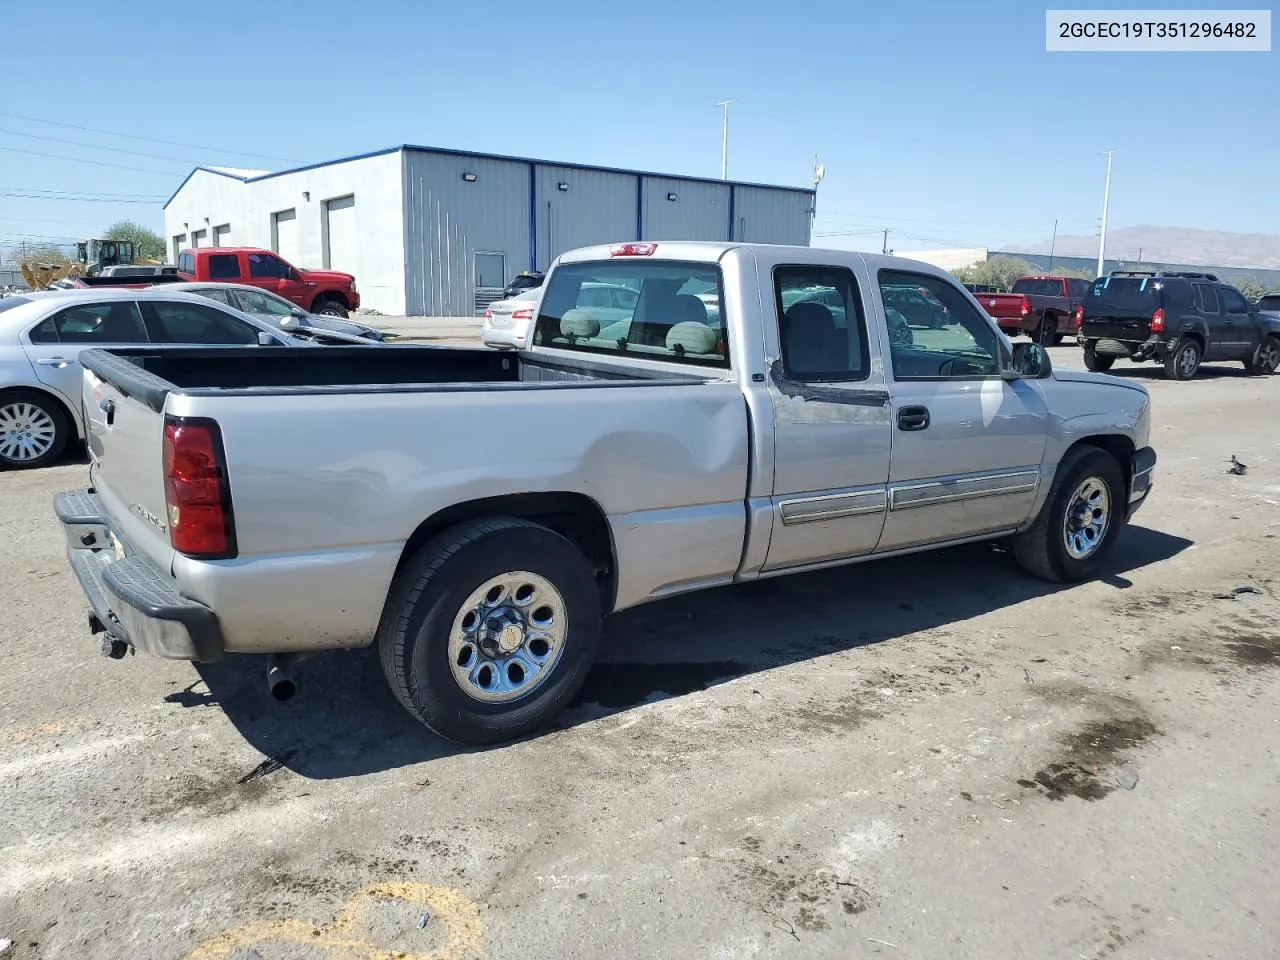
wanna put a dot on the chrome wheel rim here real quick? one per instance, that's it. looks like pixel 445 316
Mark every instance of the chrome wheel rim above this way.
pixel 1088 515
pixel 27 432
pixel 507 637
pixel 1187 360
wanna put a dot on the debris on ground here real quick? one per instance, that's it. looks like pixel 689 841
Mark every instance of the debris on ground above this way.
pixel 1237 467
pixel 1127 778
pixel 423 920
pixel 1236 592
pixel 5 945
pixel 267 767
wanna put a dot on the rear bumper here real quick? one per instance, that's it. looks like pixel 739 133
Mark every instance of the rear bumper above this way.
pixel 1141 475
pixel 1152 347
pixel 1021 325
pixel 132 599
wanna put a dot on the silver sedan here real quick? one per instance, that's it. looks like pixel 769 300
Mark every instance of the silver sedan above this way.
pixel 42 335
pixel 275 310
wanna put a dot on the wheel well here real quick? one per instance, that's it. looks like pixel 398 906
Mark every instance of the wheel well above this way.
pixel 330 295
pixel 1120 447
pixel 574 516
pixel 66 410
pixel 1197 336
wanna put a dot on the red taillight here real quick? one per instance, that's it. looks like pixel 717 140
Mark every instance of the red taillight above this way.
pixel 1026 307
pixel 1079 315
pixel 195 489
pixel 633 250
pixel 526 314
pixel 488 313
pixel 1157 321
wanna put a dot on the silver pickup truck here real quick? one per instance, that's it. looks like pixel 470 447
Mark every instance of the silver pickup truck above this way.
pixel 757 411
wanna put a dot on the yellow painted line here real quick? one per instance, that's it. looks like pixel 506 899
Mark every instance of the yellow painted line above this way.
pixel 459 915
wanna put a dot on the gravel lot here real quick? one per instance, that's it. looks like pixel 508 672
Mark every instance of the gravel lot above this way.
pixel 925 757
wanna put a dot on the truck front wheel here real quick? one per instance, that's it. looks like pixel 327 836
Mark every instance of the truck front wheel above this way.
pixel 331 308
pixel 1079 521
pixel 490 630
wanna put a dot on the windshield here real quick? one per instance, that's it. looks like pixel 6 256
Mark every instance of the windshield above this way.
pixel 659 310
pixel 1139 294
pixel 1038 287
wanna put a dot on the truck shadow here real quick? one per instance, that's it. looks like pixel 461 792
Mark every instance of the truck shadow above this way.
pixel 345 722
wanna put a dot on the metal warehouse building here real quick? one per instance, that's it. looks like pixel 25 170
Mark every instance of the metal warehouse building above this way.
pixel 439 232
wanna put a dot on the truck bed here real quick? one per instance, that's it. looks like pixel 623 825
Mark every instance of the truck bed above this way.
pixel 151 375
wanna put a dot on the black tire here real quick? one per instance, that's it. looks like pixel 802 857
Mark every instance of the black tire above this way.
pixel 1041 550
pixel 17 409
pixel 429 593
pixel 1265 359
pixel 1046 331
pixel 1058 338
pixel 1094 362
pixel 1183 360
pixel 332 308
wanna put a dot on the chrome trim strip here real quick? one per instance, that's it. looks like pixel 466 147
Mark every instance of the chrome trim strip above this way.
pixel 831 506
pixel 909 496
pixel 896 552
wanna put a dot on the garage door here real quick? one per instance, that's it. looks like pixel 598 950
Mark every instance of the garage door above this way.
pixel 284 235
pixel 340 234
pixel 222 235
pixel 198 238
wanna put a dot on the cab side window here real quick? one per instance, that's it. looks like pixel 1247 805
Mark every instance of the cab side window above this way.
pixel 821 326
pixel 948 339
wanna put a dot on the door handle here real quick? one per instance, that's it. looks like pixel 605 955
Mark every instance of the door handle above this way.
pixel 913 418
pixel 52 361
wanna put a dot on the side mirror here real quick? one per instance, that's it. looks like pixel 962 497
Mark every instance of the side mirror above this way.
pixel 290 323
pixel 1030 362
pixel 297 313
pixel 267 340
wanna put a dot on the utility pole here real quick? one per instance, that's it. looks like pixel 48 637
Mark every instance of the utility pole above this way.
pixel 1106 202
pixel 1053 244
pixel 724 139
pixel 1139 257
pixel 884 244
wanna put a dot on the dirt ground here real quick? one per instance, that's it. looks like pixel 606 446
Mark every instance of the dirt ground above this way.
pixel 933 756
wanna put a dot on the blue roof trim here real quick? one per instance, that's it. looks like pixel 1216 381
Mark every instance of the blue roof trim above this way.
pixel 471 154
pixel 220 173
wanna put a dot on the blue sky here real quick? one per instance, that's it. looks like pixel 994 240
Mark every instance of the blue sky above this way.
pixel 947 123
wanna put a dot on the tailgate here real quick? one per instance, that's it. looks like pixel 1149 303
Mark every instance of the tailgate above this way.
pixel 1002 306
pixel 125 437
pixel 1120 308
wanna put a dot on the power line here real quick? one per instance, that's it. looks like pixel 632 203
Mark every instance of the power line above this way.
pixel 99 146
pixel 40 196
pixel 51 190
pixel 96 163
pixel 131 136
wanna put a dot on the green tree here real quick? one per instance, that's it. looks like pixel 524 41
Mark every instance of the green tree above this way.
pixel 37 254
pixel 147 244
pixel 1002 271
pixel 1251 287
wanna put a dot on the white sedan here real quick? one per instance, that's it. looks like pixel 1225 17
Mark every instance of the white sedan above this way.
pixel 507 322
pixel 42 335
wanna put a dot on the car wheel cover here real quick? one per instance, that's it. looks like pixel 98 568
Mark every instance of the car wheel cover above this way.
pixel 27 431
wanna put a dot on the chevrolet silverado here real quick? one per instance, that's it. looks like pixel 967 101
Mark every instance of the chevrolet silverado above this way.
pixel 475 513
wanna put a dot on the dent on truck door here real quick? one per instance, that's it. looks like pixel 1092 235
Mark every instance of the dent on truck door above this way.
pixel 967 445
pixel 831 421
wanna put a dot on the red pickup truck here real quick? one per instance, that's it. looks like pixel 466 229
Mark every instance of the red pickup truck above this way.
pixel 1044 308
pixel 316 291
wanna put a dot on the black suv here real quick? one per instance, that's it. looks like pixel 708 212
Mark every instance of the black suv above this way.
pixel 1178 319
pixel 1269 302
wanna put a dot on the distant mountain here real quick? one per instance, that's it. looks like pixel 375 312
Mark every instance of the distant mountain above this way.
pixel 1213 248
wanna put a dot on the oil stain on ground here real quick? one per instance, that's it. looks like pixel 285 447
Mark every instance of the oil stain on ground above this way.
pixel 616 686
pixel 1090 757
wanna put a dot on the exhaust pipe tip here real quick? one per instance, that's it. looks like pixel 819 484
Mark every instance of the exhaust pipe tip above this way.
pixel 281 685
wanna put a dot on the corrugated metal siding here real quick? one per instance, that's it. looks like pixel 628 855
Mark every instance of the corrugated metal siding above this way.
pixel 597 207
pixel 699 212
pixel 772 216
pixel 447 220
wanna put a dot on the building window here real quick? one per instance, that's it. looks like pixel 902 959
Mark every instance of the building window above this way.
pixel 491 270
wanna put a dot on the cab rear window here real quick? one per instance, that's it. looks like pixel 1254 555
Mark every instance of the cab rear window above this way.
pixel 656 310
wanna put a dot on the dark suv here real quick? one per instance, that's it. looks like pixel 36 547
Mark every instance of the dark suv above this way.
pixel 1269 302
pixel 1178 319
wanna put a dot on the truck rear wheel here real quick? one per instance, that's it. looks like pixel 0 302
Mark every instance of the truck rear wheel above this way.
pixel 1094 362
pixel 1047 330
pixel 1183 360
pixel 490 630
pixel 1080 519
